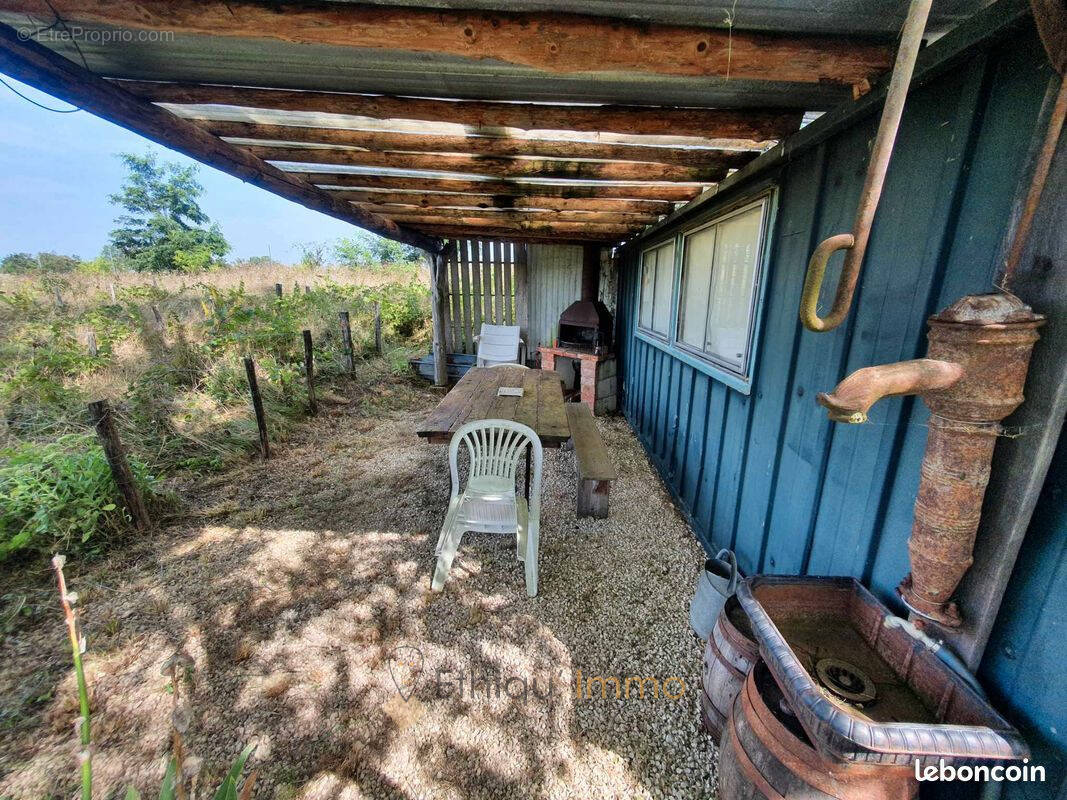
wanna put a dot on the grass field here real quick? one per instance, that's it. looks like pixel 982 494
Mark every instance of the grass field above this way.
pixel 168 357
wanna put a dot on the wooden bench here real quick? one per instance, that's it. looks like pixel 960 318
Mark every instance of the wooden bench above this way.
pixel 592 462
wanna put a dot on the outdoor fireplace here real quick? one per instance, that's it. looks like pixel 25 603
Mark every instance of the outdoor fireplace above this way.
pixel 586 324
pixel 585 329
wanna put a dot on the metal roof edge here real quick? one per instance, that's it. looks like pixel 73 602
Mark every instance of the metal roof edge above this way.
pixel 984 28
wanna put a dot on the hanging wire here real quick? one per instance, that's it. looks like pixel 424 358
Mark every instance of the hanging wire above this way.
pixel 70 33
pixel 57 21
pixel 39 105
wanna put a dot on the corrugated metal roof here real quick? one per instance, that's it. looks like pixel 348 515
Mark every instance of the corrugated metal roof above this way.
pixel 283 65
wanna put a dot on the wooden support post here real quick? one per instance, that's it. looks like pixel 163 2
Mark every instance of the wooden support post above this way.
pixel 90 344
pixel 161 326
pixel 278 289
pixel 111 291
pixel 346 337
pixel 309 371
pixel 436 262
pixel 378 328
pixel 522 299
pixel 57 295
pixel 257 405
pixel 100 416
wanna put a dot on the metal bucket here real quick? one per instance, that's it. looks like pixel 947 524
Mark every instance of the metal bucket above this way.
pixel 717 581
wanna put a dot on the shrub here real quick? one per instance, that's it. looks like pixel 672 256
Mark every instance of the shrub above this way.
pixel 18 263
pixel 353 253
pixel 60 496
pixel 54 262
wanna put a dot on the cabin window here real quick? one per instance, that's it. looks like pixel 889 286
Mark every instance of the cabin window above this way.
pixel 657 282
pixel 720 279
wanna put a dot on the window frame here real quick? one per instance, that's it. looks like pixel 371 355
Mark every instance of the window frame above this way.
pixel 763 203
pixel 672 242
pixel 739 380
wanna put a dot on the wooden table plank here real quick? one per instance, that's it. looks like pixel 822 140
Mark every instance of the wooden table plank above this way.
pixel 475 397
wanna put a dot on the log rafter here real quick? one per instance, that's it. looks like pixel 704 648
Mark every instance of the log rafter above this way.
pixel 751 124
pixel 538 202
pixel 554 42
pixel 261 133
pixel 517 188
pixel 494 166
pixel 445 215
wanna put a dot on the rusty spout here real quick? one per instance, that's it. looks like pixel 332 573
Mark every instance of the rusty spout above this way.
pixel 973 378
pixel 855 395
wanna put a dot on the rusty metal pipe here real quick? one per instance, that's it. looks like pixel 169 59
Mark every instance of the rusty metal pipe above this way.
pixel 1037 185
pixel 856 242
pixel 855 395
pixel 973 378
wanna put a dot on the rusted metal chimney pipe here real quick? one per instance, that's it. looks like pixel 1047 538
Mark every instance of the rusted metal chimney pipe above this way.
pixel 973 378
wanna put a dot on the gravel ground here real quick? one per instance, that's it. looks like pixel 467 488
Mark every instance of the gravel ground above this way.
pixel 300 590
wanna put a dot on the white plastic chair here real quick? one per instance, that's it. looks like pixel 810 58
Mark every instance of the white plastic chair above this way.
pixel 499 344
pixel 489 503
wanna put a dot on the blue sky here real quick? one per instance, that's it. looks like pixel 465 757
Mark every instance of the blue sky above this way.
pixel 56 171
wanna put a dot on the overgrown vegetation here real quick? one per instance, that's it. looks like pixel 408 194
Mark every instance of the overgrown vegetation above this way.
pixel 168 356
pixel 168 353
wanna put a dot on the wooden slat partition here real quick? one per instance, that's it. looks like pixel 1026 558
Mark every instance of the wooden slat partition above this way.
pixel 485 283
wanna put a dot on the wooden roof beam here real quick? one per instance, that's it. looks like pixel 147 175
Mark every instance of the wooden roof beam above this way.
pixel 530 226
pixel 504 146
pixel 498 167
pixel 759 124
pixel 554 42
pixel 631 191
pixel 416 214
pixel 38 66
pixel 384 200
pixel 513 235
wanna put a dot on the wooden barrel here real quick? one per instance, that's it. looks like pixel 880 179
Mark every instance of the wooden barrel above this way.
pixel 728 658
pixel 764 753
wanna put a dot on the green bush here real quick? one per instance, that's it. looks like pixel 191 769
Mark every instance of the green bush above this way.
pixel 60 496
pixel 18 263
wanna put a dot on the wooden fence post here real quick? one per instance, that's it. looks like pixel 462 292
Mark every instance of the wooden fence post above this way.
pixel 111 291
pixel 257 405
pixel 378 328
pixel 161 326
pixel 90 344
pixel 58 297
pixel 346 337
pixel 100 416
pixel 440 365
pixel 309 370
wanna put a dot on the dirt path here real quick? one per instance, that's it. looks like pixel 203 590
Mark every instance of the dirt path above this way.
pixel 290 584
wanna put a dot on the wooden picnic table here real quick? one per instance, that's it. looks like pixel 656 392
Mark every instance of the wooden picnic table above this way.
pixel 541 406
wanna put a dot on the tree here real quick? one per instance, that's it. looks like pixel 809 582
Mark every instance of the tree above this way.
pixel 54 262
pixel 18 263
pixel 353 252
pixel 164 227
pixel 388 251
pixel 367 250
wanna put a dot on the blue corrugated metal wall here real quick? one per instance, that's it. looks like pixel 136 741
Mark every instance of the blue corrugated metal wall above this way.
pixel 1025 663
pixel 767 473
